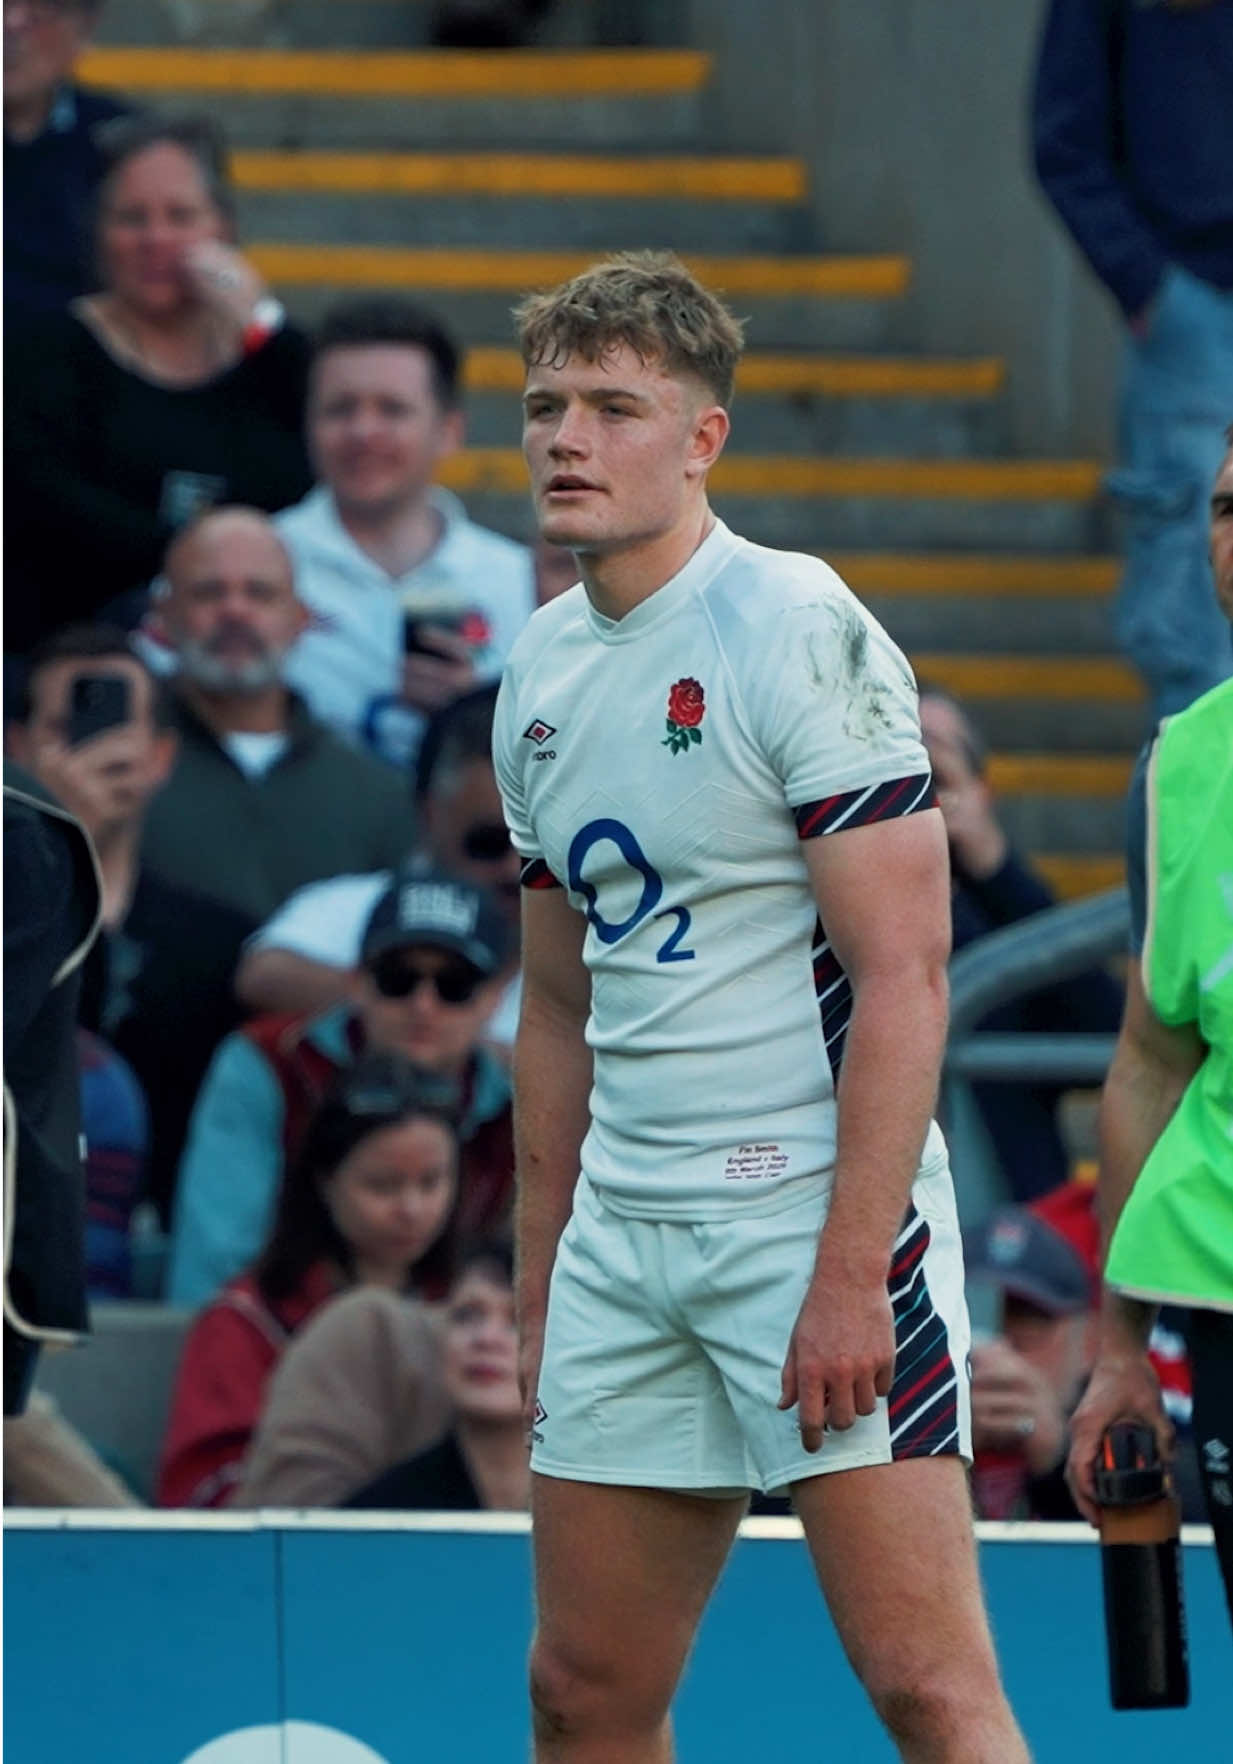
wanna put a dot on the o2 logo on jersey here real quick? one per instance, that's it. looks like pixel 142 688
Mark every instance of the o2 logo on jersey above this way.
pixel 291 1742
pixel 609 931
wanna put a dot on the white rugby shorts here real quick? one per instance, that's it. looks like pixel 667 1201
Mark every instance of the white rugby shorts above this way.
pixel 665 1344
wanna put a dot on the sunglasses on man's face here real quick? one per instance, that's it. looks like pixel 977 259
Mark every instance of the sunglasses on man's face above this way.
pixel 487 842
pixel 455 985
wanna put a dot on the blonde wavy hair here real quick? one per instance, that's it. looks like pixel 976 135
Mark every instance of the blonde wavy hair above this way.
pixel 646 300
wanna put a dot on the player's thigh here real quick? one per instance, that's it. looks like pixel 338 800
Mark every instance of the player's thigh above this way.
pixel 895 1554
pixel 622 1576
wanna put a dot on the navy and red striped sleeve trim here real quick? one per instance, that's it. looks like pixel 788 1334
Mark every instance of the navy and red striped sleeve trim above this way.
pixel 536 874
pixel 859 808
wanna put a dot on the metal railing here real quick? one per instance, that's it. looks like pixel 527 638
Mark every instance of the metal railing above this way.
pixel 1038 951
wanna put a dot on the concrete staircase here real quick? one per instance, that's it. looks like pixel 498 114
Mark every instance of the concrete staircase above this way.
pixel 468 178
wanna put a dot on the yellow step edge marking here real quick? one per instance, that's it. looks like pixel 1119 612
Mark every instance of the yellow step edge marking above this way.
pixel 789 474
pixel 968 573
pixel 871 376
pixel 515 272
pixel 523 174
pixel 827 376
pixel 1060 774
pixel 1038 676
pixel 438 73
pixel 1072 875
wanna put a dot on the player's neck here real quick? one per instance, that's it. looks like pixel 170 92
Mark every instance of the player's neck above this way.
pixel 620 580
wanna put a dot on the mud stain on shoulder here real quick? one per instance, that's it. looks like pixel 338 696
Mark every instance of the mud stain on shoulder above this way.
pixel 840 666
pixel 870 706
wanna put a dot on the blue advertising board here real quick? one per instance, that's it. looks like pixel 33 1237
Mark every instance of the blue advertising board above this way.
pixel 362 1639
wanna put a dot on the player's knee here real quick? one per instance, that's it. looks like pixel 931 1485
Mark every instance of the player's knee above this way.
pixel 925 1711
pixel 572 1696
pixel 563 1693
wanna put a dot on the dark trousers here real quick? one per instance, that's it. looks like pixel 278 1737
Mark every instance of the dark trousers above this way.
pixel 1209 1337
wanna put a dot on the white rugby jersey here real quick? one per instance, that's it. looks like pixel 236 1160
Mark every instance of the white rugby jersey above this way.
pixel 664 769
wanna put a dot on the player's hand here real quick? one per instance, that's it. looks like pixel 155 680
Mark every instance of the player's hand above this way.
pixel 1015 1408
pixel 841 1357
pixel 1123 1387
pixel 432 681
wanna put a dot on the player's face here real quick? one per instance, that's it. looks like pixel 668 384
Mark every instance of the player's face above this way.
pixel 377 430
pixel 614 448
pixel 1222 536
pixel 479 1354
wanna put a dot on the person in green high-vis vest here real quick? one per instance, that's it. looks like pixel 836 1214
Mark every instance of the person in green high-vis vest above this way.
pixel 1166 1121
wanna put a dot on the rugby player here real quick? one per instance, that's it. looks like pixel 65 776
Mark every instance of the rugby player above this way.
pixel 739 1262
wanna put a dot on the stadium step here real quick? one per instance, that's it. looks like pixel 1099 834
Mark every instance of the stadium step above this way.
pixel 810 404
pixel 263 97
pixel 1072 876
pixel 808 503
pixel 392 24
pixel 500 176
pixel 796 302
pixel 1040 702
pixel 587 201
pixel 1074 801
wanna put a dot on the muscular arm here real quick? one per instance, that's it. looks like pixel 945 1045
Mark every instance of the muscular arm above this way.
pixel 1152 1065
pixel 552 1087
pixel 893 940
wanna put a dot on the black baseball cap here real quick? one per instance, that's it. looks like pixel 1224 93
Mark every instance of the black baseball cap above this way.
pixel 1028 1259
pixel 427 908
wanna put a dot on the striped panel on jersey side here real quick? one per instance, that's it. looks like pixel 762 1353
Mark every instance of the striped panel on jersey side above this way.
pixel 833 814
pixel 923 1405
pixel 536 874
pixel 833 991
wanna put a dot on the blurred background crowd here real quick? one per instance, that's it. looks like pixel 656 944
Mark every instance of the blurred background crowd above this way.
pixel 266 553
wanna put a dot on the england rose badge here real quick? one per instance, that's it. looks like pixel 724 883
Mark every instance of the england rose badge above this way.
pixel 686 709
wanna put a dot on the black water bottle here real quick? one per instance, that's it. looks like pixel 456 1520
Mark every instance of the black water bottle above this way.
pixel 1145 1623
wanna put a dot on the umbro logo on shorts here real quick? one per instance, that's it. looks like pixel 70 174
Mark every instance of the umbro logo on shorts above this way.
pixel 541 1415
pixel 538 731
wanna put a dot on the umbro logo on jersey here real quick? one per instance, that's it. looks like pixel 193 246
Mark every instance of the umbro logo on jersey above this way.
pixel 538 731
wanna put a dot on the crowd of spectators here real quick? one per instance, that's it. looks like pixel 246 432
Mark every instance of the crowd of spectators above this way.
pixel 253 646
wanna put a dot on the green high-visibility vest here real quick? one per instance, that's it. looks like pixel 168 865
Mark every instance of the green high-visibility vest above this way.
pixel 1174 1241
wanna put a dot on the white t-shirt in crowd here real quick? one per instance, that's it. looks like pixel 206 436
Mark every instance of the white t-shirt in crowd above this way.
pixel 256 753
pixel 324 922
pixel 657 767
pixel 348 663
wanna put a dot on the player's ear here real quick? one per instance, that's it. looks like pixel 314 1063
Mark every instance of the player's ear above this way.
pixel 708 434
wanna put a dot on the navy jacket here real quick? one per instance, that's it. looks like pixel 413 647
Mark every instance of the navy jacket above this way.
pixel 1132 123
pixel 49 190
